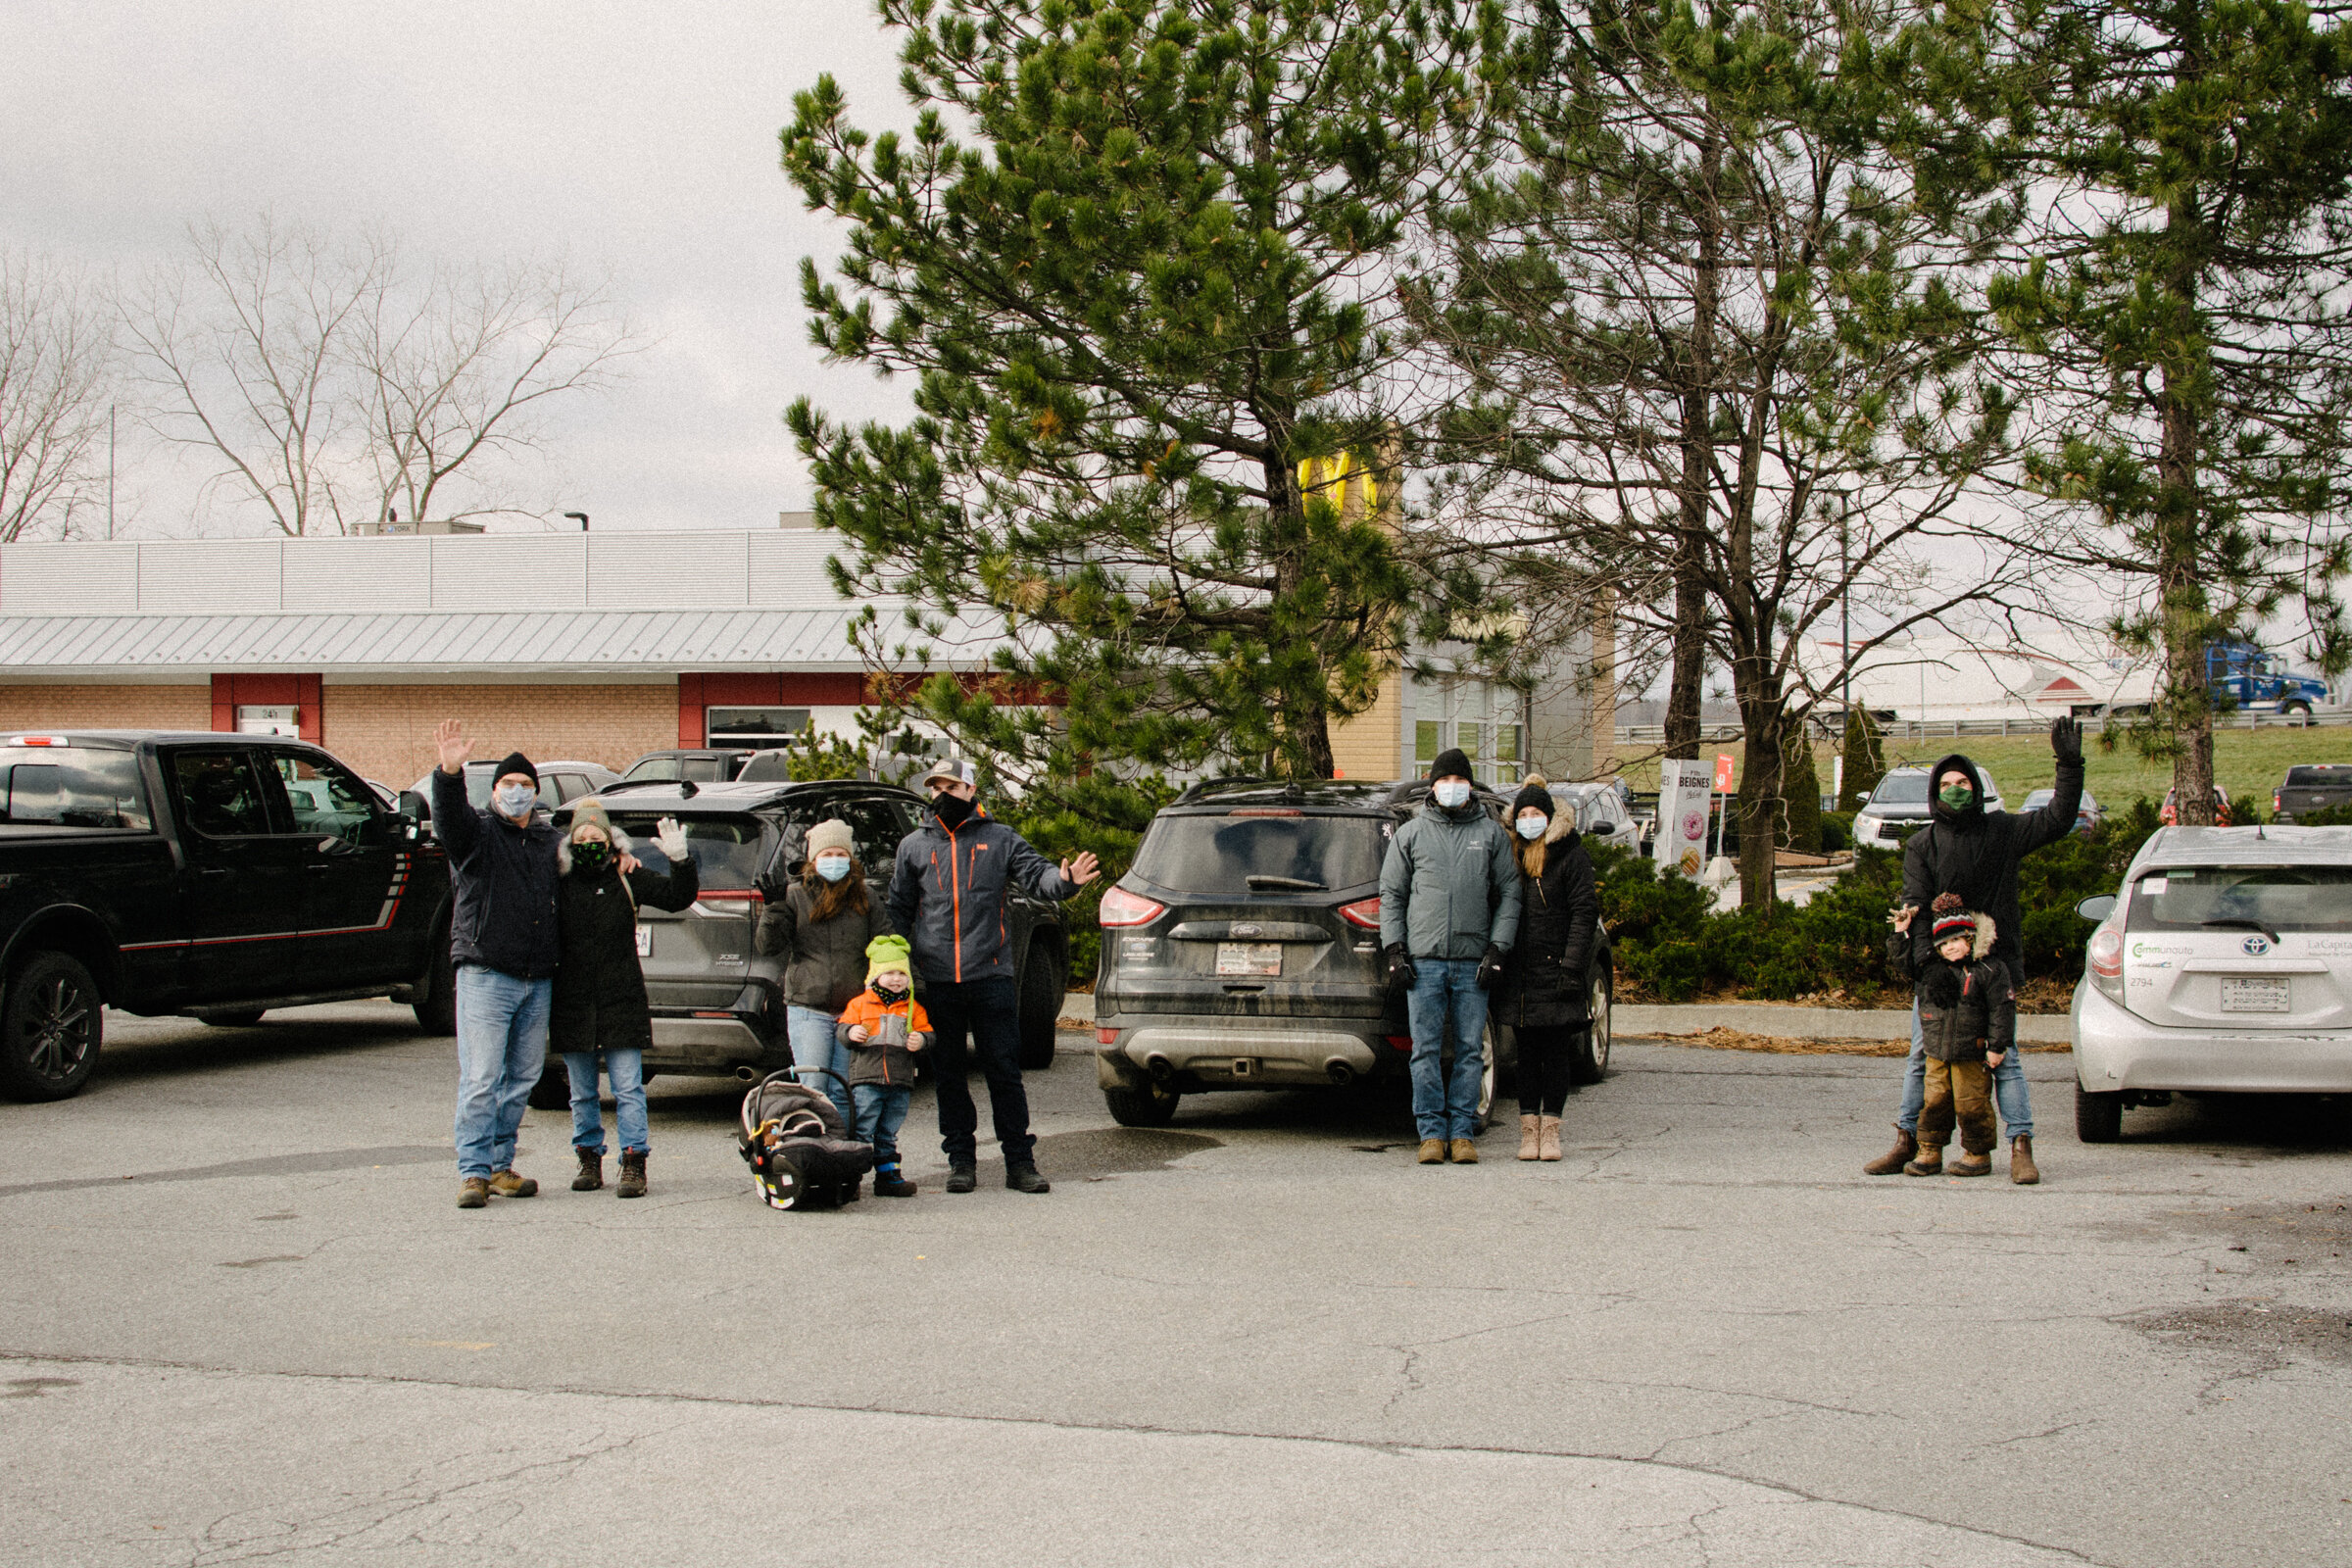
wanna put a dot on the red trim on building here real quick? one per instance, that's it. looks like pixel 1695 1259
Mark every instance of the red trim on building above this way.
pixel 698 694
pixel 302 693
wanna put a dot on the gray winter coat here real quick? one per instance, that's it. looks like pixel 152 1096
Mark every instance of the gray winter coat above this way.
pixel 1450 885
pixel 826 959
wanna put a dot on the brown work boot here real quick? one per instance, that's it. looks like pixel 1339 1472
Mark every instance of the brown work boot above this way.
pixel 2022 1169
pixel 1930 1160
pixel 592 1171
pixel 506 1184
pixel 475 1192
pixel 1465 1153
pixel 1530 1136
pixel 632 1174
pixel 1433 1151
pixel 1971 1163
pixel 1896 1159
pixel 1549 1138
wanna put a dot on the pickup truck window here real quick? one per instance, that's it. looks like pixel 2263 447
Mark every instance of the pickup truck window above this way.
pixel 222 796
pixel 73 786
pixel 326 801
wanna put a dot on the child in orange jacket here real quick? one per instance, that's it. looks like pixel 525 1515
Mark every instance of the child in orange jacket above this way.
pixel 882 1028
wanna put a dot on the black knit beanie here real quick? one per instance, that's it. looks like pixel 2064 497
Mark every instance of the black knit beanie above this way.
pixel 1453 761
pixel 517 762
pixel 1532 793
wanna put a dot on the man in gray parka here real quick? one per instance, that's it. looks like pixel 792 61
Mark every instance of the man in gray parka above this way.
pixel 1449 910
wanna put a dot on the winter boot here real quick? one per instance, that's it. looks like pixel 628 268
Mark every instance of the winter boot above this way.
pixel 506 1184
pixel 1930 1161
pixel 1530 1136
pixel 888 1183
pixel 1971 1163
pixel 592 1171
pixel 1548 1144
pixel 962 1178
pixel 1896 1159
pixel 475 1192
pixel 632 1174
pixel 1433 1151
pixel 1023 1178
pixel 1465 1153
pixel 2022 1169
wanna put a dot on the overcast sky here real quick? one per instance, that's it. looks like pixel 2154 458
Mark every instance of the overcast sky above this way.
pixel 636 140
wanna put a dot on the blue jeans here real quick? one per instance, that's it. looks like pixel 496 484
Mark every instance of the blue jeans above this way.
pixel 881 1112
pixel 814 1046
pixel 1446 1105
pixel 2008 1086
pixel 502 1049
pixel 626 1069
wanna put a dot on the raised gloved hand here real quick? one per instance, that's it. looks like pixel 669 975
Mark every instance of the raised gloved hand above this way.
pixel 670 839
pixel 1489 967
pixel 1401 969
pixel 2065 742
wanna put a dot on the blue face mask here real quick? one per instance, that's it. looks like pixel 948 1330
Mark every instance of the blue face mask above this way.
pixel 1453 793
pixel 833 867
pixel 517 800
pixel 1532 827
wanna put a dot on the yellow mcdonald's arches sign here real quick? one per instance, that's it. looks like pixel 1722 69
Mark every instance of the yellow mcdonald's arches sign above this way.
pixel 1331 475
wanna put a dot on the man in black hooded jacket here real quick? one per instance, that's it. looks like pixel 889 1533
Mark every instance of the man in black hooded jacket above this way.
pixel 1967 849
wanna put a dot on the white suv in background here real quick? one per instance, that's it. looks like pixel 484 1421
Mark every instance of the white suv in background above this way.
pixel 2223 965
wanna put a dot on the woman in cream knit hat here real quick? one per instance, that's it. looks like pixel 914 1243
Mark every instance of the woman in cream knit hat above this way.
pixel 821 921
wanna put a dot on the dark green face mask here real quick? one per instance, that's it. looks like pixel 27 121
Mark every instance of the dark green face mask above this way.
pixel 1958 797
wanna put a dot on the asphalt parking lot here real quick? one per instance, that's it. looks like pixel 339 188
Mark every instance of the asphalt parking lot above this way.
pixel 243 1319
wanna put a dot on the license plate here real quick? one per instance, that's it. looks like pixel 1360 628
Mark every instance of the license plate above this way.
pixel 2254 996
pixel 645 941
pixel 1250 957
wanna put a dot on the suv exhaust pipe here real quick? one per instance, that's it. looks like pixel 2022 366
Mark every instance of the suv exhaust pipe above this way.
pixel 1162 1070
pixel 1340 1073
pixel 747 1075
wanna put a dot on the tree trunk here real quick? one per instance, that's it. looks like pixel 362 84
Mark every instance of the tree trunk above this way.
pixel 1686 687
pixel 2180 519
pixel 1764 717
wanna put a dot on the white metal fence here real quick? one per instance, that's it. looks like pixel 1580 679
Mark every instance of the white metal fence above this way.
pixel 1914 729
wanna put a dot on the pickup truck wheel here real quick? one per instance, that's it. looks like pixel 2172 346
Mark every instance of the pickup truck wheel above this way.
pixel 1148 1106
pixel 436 1001
pixel 2098 1117
pixel 235 1020
pixel 1043 983
pixel 1589 1058
pixel 553 1091
pixel 50 1027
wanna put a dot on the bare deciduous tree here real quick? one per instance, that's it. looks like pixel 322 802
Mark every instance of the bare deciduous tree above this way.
pixel 334 388
pixel 55 356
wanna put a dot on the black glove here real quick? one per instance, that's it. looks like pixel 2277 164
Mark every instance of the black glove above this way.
pixel 1489 967
pixel 1401 970
pixel 2066 740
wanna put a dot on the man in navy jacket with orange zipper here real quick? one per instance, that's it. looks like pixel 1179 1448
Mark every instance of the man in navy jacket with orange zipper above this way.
pixel 947 893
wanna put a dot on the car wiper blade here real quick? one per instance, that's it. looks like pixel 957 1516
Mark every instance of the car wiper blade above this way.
pixel 1292 883
pixel 2234 923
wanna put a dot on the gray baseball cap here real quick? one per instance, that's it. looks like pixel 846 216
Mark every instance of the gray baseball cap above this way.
pixel 954 770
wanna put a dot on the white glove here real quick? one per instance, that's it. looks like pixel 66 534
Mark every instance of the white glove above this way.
pixel 670 839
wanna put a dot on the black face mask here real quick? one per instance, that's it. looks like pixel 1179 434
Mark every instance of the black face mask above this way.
pixel 954 809
pixel 893 995
pixel 591 857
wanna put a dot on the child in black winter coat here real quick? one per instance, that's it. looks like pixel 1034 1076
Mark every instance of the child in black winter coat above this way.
pixel 1968 1016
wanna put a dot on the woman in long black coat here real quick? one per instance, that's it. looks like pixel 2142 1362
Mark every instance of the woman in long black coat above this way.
pixel 600 1005
pixel 1542 995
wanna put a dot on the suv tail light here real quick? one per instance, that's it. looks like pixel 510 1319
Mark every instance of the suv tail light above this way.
pixel 2107 960
pixel 1121 908
pixel 1363 912
pixel 730 896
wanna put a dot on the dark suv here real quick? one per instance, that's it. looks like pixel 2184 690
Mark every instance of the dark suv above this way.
pixel 1242 951
pixel 719 1005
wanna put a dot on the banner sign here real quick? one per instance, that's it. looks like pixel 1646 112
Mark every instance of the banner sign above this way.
pixel 1684 800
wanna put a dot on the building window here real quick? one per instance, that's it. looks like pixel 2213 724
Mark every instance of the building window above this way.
pixel 1476 715
pixel 754 728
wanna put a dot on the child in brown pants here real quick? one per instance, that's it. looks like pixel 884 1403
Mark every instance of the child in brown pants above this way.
pixel 1968 1016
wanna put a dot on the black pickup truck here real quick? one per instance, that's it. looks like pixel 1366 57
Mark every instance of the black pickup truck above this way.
pixel 2311 788
pixel 215 877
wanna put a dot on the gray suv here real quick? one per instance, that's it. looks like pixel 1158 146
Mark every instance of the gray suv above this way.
pixel 1242 951
pixel 719 1005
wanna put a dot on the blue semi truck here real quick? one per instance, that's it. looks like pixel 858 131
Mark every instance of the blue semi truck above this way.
pixel 2259 682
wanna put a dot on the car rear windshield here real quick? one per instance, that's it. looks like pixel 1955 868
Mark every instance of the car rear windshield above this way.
pixel 1219 855
pixel 2319 774
pixel 1902 789
pixel 73 786
pixel 2276 898
pixel 726 850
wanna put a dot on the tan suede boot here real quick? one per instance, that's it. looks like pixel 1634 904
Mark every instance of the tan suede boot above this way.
pixel 1896 1159
pixel 506 1184
pixel 2022 1169
pixel 1930 1160
pixel 1528 1135
pixel 1971 1163
pixel 1547 1145
pixel 1465 1153
pixel 1433 1151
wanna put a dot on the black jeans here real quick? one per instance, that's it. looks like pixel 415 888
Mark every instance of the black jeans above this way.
pixel 1543 1069
pixel 987 1012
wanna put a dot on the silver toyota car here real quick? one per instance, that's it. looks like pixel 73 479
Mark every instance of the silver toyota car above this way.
pixel 2225 965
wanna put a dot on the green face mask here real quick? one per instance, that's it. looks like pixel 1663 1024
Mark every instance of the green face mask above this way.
pixel 1958 797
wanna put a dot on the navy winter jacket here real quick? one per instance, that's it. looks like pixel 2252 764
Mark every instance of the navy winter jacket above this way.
pixel 503 882
pixel 948 894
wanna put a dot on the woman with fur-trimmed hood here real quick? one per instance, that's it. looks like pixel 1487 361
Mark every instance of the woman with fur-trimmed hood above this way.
pixel 1967 1006
pixel 1542 996
pixel 600 1005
